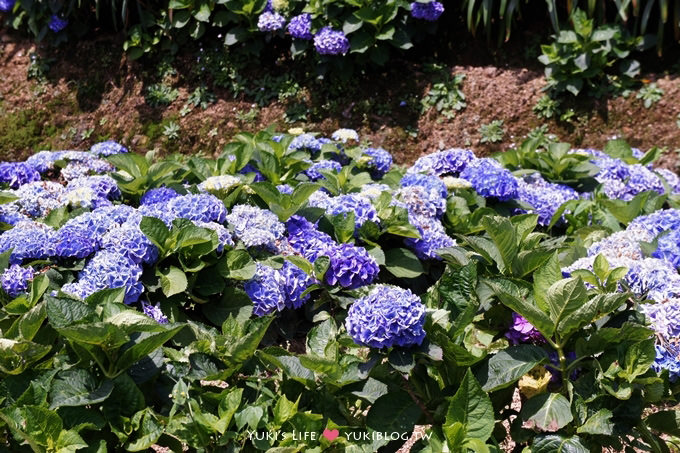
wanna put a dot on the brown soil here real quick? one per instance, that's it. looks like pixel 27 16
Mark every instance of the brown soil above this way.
pixel 93 92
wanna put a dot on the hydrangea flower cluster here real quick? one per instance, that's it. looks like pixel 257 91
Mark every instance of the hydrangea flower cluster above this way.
pixel 359 205
pixel 491 180
pixel 345 135
pixel 7 5
pixel 379 161
pixel 273 290
pixel 522 331
pixel 270 21
pixel 388 316
pixel 428 11
pixel 15 279
pixel 154 312
pixel 544 197
pixel 57 24
pixel 300 27
pixel 16 174
pixel 108 148
pixel 313 172
pixel 255 227
pixel 305 142
pixel 159 195
pixel 331 42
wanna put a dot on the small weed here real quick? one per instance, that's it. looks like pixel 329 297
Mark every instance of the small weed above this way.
pixel 87 133
pixel 541 135
pixel 650 94
pixel 547 107
pixel 446 96
pixel 38 68
pixel 247 117
pixel 103 121
pixel 160 94
pixel 213 132
pixel 677 120
pixel 492 132
pixel 185 110
pixel 297 112
pixel 171 131
pixel 201 97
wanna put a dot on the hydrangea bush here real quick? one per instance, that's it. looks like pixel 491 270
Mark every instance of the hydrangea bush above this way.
pixel 305 284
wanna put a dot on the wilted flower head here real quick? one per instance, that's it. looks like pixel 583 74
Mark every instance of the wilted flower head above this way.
pixel 331 42
pixel 15 279
pixel 388 316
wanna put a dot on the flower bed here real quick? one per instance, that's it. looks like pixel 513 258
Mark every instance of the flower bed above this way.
pixel 301 291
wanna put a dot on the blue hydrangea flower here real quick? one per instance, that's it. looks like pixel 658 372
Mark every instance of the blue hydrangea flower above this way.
pixel 388 316
pixel 44 160
pixel 285 189
pixel 249 168
pixel 431 183
pixel 313 171
pixel 350 267
pixel 74 240
pixel 359 205
pixel 427 11
pixel 223 236
pixel 449 162
pixel 28 240
pixel 380 161
pixel 296 281
pixel 420 201
pixel 38 198
pixel 659 221
pixel 16 174
pixel 543 196
pixel 300 27
pixel 270 21
pixel 79 169
pixel 373 191
pixel 432 237
pixel 668 247
pixel 15 279
pixel 266 290
pixel 671 178
pixel 159 195
pixel 7 5
pixel 664 317
pixel 198 208
pixel 655 278
pixel 154 312
pixel 57 24
pixel 104 186
pixel 305 142
pixel 490 180
pixel 107 148
pixel 255 226
pixel 310 243
pixel 667 359
pixel 109 269
pixel 331 42
pixel 522 331
pixel 131 242
pixel 9 214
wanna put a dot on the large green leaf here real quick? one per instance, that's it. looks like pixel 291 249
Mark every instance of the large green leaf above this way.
pixel 507 366
pixel 394 412
pixel 62 312
pixel 173 281
pixel 144 345
pixel 503 234
pixel 403 263
pixel 526 308
pixel 16 356
pixel 565 297
pixel 546 412
pixel 77 387
pixel 598 423
pixel 667 422
pixel 554 443
pixel 591 311
pixel 471 407
pixel 544 277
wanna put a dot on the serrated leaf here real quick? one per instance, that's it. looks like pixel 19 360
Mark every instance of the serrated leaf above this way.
pixel 508 365
pixel 547 412
pixel 471 407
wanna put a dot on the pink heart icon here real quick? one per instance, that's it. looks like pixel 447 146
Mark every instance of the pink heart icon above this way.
pixel 331 434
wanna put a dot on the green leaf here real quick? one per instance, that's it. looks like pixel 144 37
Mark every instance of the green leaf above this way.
pixel 156 230
pixel 547 412
pixel 472 408
pixel 639 358
pixel 591 311
pixel 77 387
pixel 546 275
pixel 667 422
pixel 508 365
pixel 403 263
pixel 372 390
pixel 38 425
pixel 554 443
pixel 145 345
pixel 237 265
pixel 284 410
pixel 598 423
pixel 394 412
pixel 564 297
pixel 249 415
pixel 503 235
pixel 16 356
pixel 528 310
pixel 173 281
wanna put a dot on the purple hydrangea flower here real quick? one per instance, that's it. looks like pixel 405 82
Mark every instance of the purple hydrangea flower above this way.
pixel 270 21
pixel 449 162
pixel 667 359
pixel 359 205
pixel 313 171
pixel 255 226
pixel 427 11
pixel 668 247
pixel 15 279
pixel 380 161
pixel 16 174
pixel 285 189
pixel 159 195
pixel 431 183
pixel 131 242
pixel 300 26
pixel 74 241
pixel 154 312
pixel 28 240
pixel 7 5
pixel 57 24
pixel 432 237
pixel 350 267
pixel 266 290
pixel 543 196
pixel 522 331
pixel 198 208
pixel 38 198
pixel 420 201
pixel 305 142
pixel 331 42
pixel 104 186
pixel 107 148
pixel 223 236
pixel 296 281
pixel 388 316
pixel 491 180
